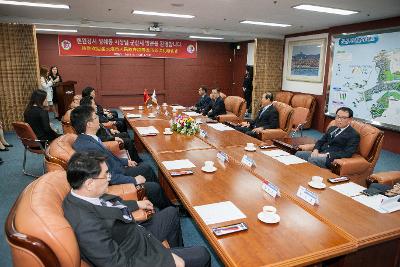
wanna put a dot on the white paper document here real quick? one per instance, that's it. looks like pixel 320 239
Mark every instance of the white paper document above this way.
pixel 220 127
pixel 178 107
pixel 178 164
pixel 348 189
pixel 390 204
pixel 191 113
pixel 289 160
pixel 131 115
pixel 374 202
pixel 275 153
pixel 219 212
pixel 147 130
pixel 127 108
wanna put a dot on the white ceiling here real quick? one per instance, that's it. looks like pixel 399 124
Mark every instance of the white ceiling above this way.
pixel 213 17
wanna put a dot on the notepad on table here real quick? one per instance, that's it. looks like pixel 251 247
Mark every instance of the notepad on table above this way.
pixel 150 130
pixel 178 164
pixel 131 115
pixel 220 127
pixel 289 160
pixel 219 212
pixel 191 113
pixel 275 153
pixel 127 108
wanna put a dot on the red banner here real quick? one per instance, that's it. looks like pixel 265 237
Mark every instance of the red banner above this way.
pixel 97 46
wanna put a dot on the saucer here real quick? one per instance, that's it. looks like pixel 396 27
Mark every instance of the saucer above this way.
pixel 208 170
pixel 250 149
pixel 167 133
pixel 317 186
pixel 268 219
pixel 151 116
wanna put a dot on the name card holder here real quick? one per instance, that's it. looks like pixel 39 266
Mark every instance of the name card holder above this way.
pixel 271 189
pixel 249 162
pixel 203 133
pixel 308 196
pixel 223 157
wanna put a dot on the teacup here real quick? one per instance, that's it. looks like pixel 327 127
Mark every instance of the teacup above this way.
pixel 167 130
pixel 140 107
pixel 151 115
pixel 317 179
pixel 250 146
pixel 269 211
pixel 165 104
pixel 209 165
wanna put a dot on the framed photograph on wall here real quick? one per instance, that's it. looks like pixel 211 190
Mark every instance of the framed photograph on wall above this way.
pixel 306 60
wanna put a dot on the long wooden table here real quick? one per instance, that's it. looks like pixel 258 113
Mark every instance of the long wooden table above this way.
pixel 338 232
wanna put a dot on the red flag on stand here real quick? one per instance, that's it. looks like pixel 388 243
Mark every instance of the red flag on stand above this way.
pixel 146 96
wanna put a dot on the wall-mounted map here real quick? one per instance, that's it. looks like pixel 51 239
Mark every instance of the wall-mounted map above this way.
pixel 365 76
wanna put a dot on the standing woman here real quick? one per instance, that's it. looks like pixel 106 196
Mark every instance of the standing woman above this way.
pixel 38 117
pixel 47 86
pixel 248 88
pixel 55 78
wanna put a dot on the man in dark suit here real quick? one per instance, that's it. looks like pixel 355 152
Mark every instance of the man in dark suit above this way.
pixel 216 106
pixel 267 118
pixel 123 171
pixel 204 100
pixel 339 141
pixel 105 115
pixel 106 134
pixel 106 231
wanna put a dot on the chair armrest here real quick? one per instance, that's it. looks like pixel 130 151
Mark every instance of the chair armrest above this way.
pixel 228 117
pixel 114 146
pixel 125 191
pixel 349 166
pixel 270 134
pixel 388 178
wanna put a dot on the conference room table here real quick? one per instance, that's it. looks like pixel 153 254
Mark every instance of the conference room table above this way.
pixel 337 232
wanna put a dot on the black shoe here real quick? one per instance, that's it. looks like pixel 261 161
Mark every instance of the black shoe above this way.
pixel 4 149
pixel 9 145
pixel 1 161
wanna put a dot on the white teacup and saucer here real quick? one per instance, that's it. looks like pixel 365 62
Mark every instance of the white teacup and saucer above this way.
pixel 268 215
pixel 151 115
pixel 165 104
pixel 167 131
pixel 140 107
pixel 208 166
pixel 317 182
pixel 250 147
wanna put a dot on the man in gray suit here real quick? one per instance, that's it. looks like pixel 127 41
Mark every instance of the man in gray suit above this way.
pixel 106 231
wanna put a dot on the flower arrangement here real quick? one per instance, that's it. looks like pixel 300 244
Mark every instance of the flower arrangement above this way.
pixel 185 125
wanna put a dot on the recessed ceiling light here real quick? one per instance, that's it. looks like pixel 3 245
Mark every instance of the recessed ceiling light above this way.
pixel 151 13
pixel 136 33
pixel 55 30
pixel 265 23
pixel 18 3
pixel 326 9
pixel 206 37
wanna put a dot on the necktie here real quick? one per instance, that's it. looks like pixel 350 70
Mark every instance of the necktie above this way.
pixel 124 209
pixel 335 132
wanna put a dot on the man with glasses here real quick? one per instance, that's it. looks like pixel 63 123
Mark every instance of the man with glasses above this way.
pixel 106 231
pixel 123 171
pixel 340 141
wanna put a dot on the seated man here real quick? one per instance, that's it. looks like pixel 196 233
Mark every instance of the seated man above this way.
pixel 204 100
pixel 106 231
pixel 216 106
pixel 105 115
pixel 106 134
pixel 123 171
pixel 339 141
pixel 267 118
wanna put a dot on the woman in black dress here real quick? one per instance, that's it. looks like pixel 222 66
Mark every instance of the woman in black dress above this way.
pixel 38 117
pixel 55 78
pixel 248 88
